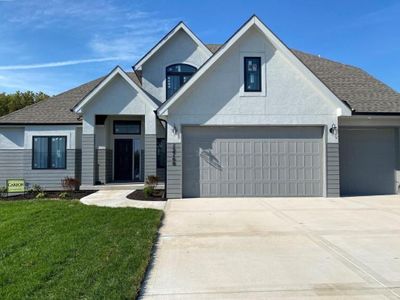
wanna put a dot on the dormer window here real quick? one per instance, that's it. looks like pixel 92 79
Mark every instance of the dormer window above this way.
pixel 176 76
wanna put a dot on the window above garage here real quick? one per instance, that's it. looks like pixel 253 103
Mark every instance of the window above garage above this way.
pixel 252 74
pixel 252 69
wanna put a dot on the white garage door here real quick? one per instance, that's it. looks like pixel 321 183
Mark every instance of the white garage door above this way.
pixel 252 161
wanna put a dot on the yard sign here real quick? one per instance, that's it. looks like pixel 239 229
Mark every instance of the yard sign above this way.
pixel 15 186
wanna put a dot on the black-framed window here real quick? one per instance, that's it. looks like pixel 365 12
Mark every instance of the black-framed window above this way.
pixel 49 152
pixel 176 76
pixel 161 152
pixel 127 127
pixel 252 74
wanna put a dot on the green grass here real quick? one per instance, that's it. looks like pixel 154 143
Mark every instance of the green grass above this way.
pixel 66 250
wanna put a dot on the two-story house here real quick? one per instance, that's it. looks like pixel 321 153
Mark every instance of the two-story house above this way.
pixel 250 117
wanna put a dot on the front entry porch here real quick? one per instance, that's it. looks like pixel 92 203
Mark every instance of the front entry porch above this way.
pixel 120 132
pixel 123 152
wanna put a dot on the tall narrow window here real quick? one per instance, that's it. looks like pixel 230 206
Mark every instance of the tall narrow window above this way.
pixel 49 152
pixel 176 76
pixel 252 74
pixel 161 151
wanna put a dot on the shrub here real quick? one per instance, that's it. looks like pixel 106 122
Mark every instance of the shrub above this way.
pixel 148 191
pixel 70 184
pixel 37 189
pixel 41 195
pixel 152 181
pixel 64 195
pixel 3 191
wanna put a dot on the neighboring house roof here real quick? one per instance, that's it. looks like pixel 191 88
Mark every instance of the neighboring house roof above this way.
pixel 362 92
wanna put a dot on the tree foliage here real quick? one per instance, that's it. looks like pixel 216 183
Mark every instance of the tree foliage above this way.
pixel 18 100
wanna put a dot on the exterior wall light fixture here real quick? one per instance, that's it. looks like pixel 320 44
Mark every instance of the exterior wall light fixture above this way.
pixel 333 130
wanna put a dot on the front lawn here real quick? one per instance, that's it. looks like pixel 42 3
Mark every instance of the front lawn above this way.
pixel 66 250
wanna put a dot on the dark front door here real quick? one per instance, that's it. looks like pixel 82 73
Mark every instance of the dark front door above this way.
pixel 123 159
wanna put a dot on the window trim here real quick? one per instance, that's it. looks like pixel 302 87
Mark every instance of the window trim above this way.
pixel 136 122
pixel 49 137
pixel 245 59
pixel 180 74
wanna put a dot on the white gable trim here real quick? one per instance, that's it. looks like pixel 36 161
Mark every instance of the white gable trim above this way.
pixel 116 71
pixel 343 109
pixel 166 38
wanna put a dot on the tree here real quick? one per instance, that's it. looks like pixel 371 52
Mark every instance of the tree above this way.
pixel 18 100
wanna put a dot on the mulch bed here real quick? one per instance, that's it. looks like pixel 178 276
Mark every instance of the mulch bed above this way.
pixel 49 195
pixel 158 195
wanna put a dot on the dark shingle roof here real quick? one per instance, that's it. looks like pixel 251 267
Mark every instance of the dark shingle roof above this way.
pixel 362 92
pixel 213 47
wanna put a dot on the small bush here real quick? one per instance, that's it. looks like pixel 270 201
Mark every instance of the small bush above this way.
pixel 3 191
pixel 41 195
pixel 70 184
pixel 152 181
pixel 64 195
pixel 37 189
pixel 148 191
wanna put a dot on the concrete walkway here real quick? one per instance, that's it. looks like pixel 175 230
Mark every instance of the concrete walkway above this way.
pixel 117 198
pixel 259 248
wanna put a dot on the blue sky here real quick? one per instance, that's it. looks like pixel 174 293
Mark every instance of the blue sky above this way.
pixel 54 45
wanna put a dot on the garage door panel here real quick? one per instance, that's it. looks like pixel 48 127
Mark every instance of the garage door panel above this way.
pixel 259 161
pixel 367 161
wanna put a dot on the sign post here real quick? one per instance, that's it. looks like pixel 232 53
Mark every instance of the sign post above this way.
pixel 15 186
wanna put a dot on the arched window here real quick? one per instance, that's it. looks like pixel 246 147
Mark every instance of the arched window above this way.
pixel 177 75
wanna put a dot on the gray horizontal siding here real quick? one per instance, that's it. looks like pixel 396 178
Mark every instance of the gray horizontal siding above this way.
pixel 49 179
pixel 332 170
pixel 11 164
pixel 88 159
pixel 150 155
pixel 174 170
pixel 103 170
pixel 78 164
pixel 18 164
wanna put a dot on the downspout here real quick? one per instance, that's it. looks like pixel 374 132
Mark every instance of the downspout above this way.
pixel 166 153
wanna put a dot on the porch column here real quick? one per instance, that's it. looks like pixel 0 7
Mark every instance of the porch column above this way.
pixel 150 145
pixel 88 150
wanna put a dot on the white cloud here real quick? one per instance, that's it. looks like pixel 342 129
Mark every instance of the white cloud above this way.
pixel 106 32
pixel 59 63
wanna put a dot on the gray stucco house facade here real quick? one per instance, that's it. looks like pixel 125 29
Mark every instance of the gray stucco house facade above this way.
pixel 247 118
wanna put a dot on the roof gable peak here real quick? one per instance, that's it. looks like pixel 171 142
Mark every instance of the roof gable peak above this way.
pixel 278 44
pixel 180 26
pixel 116 71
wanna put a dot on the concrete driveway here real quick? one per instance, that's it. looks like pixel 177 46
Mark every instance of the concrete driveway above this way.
pixel 265 248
